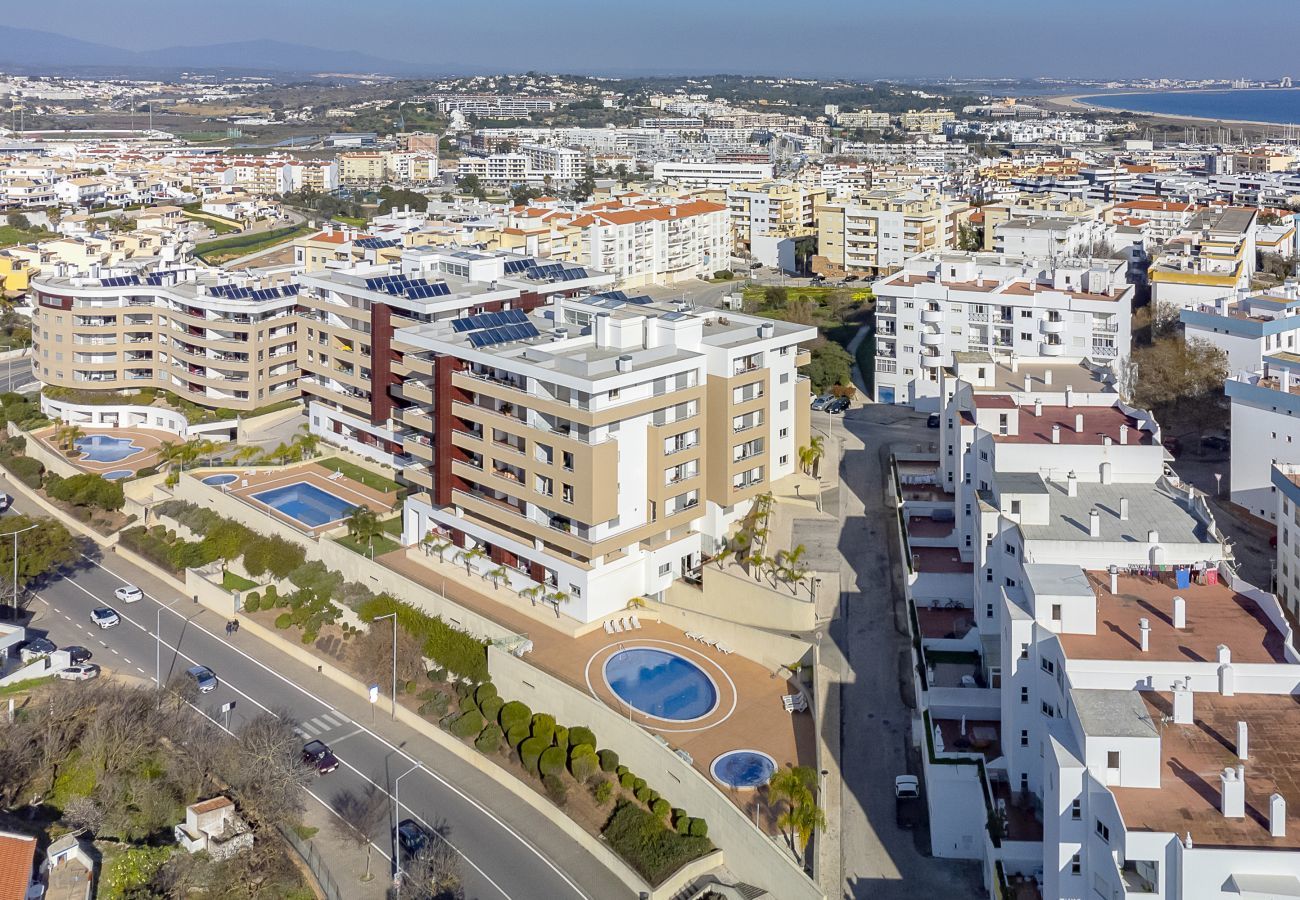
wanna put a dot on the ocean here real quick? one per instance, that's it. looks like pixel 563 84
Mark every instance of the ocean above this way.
pixel 1278 105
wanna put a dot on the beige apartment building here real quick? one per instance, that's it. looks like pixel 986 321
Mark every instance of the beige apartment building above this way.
pixel 872 234
pixel 219 341
pixel 1041 206
pixel 362 167
pixel 601 445
pixel 776 209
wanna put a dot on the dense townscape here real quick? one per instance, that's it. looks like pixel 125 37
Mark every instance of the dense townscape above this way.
pixel 712 487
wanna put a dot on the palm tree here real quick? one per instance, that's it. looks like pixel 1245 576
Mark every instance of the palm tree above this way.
pixel 800 822
pixel 245 454
pixel 556 598
pixel 364 526
pixel 793 787
pixel 496 576
pixel 810 457
pixel 70 435
pixel 534 593
pixel 470 556
pixel 201 448
pixel 433 542
pixel 724 555
pixel 306 441
pixel 791 568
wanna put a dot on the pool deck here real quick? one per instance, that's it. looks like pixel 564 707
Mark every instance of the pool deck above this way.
pixel 147 439
pixel 255 481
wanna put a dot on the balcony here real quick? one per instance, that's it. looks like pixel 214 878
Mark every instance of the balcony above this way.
pixel 1048 348
pixel 931 316
pixel 1051 326
pixel 978 316
pixel 418 446
pixel 1105 351
pixel 1106 325
pixel 932 360
pixel 931 338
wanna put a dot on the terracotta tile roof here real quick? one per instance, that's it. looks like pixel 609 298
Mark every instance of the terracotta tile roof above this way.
pixel 17 856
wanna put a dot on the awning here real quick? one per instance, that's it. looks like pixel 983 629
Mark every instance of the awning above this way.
pixel 1264 887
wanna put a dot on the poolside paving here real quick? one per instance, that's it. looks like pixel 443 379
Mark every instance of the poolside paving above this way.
pixel 148 441
pixel 255 481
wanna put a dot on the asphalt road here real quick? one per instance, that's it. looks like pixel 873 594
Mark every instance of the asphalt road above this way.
pixel 509 851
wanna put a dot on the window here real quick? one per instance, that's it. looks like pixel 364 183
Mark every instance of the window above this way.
pixel 1047 709
pixel 984 456
pixel 1056 612
pixel 1024 651
pixel 1026 314
pixel 1010 549
pixel 1026 336
pixel 666 569
pixel 1048 666
pixel 988 610
pixel 1103 832
pixel 1024 695
pixel 1076 865
pixel 1015 507
pixel 1076 809
pixel 1024 737
pixel 1112 759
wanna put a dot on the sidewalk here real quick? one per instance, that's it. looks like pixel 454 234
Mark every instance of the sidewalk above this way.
pixel 345 860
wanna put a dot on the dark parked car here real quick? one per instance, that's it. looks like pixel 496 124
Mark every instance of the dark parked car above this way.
pixel 412 837
pixel 837 406
pixel 320 757
pixel 77 655
pixel 204 678
pixel 37 647
pixel 1215 442
pixel 932 421
pixel 6 501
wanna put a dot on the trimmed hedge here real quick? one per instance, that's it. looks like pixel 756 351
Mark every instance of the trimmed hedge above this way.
pixel 516 736
pixel 602 791
pixel 491 707
pixel 626 780
pixel 581 734
pixel 661 808
pixel 457 651
pixel 608 761
pixel 468 724
pixel 583 765
pixel 26 469
pixel 551 761
pixel 530 752
pixel 648 845
pixel 544 727
pixel 489 740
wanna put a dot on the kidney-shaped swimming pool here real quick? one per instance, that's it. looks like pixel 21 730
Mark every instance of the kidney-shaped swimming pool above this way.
pixel 661 683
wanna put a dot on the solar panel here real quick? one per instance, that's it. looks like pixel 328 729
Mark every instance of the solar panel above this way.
pixel 515 266
pixel 440 289
pixel 640 300
pixel 154 279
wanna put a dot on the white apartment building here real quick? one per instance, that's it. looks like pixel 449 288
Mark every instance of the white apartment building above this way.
pixel 1049 238
pixel 1213 258
pixel 952 302
pixel 598 446
pixel 561 163
pixel 1265 429
pixel 497 168
pixel 1248 327
pixel 711 174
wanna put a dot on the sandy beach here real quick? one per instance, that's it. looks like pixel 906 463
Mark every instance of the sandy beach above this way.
pixel 1079 103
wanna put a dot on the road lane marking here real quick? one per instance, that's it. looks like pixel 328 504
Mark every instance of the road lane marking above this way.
pixel 508 829
pixel 314 731
pixel 354 733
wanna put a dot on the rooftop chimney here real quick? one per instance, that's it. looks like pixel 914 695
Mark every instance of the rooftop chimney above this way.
pixel 1233 800
pixel 1078 423
pixel 1106 441
pixel 1227 680
pixel 766 330
pixel 1047 377
pixel 1180 612
pixel 1069 396
pixel 1094 523
pixel 624 364
pixel 1144 627
pixel 1072 484
pixel 1123 434
pixel 1029 383
pixel 1114 579
pixel 1183 702
pixel 1243 741
pixel 1123 509
pixel 1153 536
pixel 1277 815
pixel 1038 408
pixel 1225 654
pixel 1015 363
pixel 1056 434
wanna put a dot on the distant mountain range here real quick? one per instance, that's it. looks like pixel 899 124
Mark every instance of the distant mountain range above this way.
pixel 28 50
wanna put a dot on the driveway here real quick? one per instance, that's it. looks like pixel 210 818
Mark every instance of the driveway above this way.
pixel 861 647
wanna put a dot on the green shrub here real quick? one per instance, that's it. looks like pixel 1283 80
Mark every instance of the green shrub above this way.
pixel 551 761
pixel 620 771
pixel 602 791
pixel 647 845
pixel 272 596
pixel 146 472
pixel 26 469
pixel 561 737
pixel 485 691
pixel 530 752
pixel 411 686
pixel 544 727
pixel 87 489
pixel 638 784
pixel 430 708
pixel 515 713
pixel 491 707
pixel 642 795
pixel 581 734
pixel 517 735
pixel 609 762
pixel 457 651
pixel 682 825
pixel 626 781
pixel 464 693
pixel 489 739
pixel 661 808
pixel 583 765
pixel 251 602
pixel 468 724
pixel 284 620
pixel 556 789
pixel 699 828
pixel 437 673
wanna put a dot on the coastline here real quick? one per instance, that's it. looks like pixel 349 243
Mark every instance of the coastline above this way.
pixel 1078 103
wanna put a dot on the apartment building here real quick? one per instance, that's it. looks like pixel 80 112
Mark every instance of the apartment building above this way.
pixel 1249 326
pixel 1024 206
pixel 1167 218
pixel 862 118
pixel 929 121
pixel 362 167
pixel 497 169
pixel 1050 238
pixel 873 233
pixel 318 176
pixel 216 339
pixel 1133 698
pixel 1213 258
pixel 600 445
pixel 947 303
pixel 712 174
pixel 496 106
pixel 772 209
pixel 529 163
pixel 1265 428
pixel 353 381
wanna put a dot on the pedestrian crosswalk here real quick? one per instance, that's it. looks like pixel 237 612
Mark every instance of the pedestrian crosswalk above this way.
pixel 312 728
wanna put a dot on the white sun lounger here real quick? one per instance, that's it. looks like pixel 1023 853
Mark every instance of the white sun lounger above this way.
pixel 618 626
pixel 634 621
pixel 724 648
pixel 336 476
pixel 609 627
pixel 693 635
pixel 788 702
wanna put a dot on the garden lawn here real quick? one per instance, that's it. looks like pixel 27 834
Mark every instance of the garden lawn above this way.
pixel 360 475
pixel 233 582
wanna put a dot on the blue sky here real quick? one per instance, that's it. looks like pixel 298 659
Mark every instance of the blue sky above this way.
pixel 862 39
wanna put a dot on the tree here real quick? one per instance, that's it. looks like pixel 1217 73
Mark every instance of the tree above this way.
pixel 496 576
pixel 433 873
pixel 359 817
pixel 1181 382
pixel 268 772
pixel 19 221
pixel 46 549
pixel 372 655
pixel 471 556
pixel 364 526
pixel 969 237
pixel 830 365
pixel 433 542
pixel 810 457
pixel 306 441
pixel 793 787
pixel 469 184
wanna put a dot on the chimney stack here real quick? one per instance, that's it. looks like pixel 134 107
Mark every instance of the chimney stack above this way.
pixel 1123 509
pixel 1277 815
pixel 1180 613
pixel 1072 484
pixel 1056 434
pixel 1114 579
pixel 1047 377
pixel 1038 408
pixel 1183 702
pixel 1233 800
pixel 1227 679
pixel 1069 396
pixel 1144 627
pixel 1123 434
pixel 1015 364
pixel 1243 741
pixel 1094 523
pixel 1029 383
pixel 1153 536
pixel 1078 423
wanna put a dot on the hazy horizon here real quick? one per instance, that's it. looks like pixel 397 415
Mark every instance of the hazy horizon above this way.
pixel 827 38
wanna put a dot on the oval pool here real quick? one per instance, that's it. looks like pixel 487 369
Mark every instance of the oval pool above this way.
pixel 743 769
pixel 661 683
pixel 219 480
pixel 117 474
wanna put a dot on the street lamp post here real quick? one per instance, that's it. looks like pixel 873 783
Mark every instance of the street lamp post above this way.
pixel 397 817
pixel 14 535
pixel 157 645
pixel 393 616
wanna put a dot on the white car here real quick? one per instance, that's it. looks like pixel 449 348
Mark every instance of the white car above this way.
pixel 105 616
pixel 83 672
pixel 128 593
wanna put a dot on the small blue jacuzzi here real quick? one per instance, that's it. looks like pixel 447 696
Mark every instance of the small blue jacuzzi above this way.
pixel 219 480
pixel 117 474
pixel 743 769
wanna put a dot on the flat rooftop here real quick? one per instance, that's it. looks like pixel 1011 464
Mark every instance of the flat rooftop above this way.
pixel 1193 756
pixel 1099 423
pixel 1072 375
pixel 1216 615
pixel 1152 506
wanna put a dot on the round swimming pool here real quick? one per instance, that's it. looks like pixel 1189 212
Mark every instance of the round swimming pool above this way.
pixel 661 683
pixel 219 480
pixel 743 768
pixel 117 474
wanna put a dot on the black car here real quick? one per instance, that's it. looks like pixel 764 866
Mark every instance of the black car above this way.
pixel 1214 442
pixel 37 647
pixel 77 655
pixel 932 421
pixel 320 757
pixel 412 837
pixel 6 501
pixel 837 406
